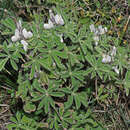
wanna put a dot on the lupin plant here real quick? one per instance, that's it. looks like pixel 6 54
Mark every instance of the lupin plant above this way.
pixel 63 66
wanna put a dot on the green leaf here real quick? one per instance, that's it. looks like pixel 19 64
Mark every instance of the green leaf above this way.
pixel 77 101
pixel 38 87
pixel 13 119
pixel 83 98
pixel 56 125
pixel 78 75
pixel 14 65
pixel 18 116
pixel 58 61
pixel 69 102
pixel 47 106
pixel 5 47
pixel 41 104
pixel 32 71
pixel 29 107
pixel 9 23
pixel 61 54
pixel 103 97
pixel 88 71
pixel 57 94
pixel 43 62
pixel 91 121
pixel 11 126
pixel 50 100
pixel 44 78
pixel 66 90
pixel 2 63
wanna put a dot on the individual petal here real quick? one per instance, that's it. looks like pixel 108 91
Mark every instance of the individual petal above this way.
pixel 106 59
pixel 27 34
pixel 59 20
pixel 96 38
pixel 49 25
pixel 105 29
pixel 96 43
pixel 92 28
pixel 52 17
pixel 61 37
pixel 19 25
pixel 115 69
pixel 30 34
pixel 113 52
pixel 17 33
pixel 14 38
pixel 25 44
pixel 101 30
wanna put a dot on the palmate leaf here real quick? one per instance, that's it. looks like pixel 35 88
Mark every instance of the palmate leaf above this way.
pixel 44 96
pixel 46 102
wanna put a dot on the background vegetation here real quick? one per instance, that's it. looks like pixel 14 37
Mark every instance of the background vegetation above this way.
pixel 65 85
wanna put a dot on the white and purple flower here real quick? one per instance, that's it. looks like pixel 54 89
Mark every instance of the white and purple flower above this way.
pixel 22 35
pixel 54 20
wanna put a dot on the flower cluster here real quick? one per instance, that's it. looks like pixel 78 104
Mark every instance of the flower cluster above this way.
pixel 54 20
pixel 107 58
pixel 22 35
pixel 97 32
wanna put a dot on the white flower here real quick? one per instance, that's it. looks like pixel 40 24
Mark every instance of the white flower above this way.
pixel 59 20
pixel 21 35
pixel 106 59
pixel 49 25
pixel 115 69
pixel 92 28
pixel 25 44
pixel 16 36
pixel 101 30
pixel 113 52
pixel 26 34
pixel 96 39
